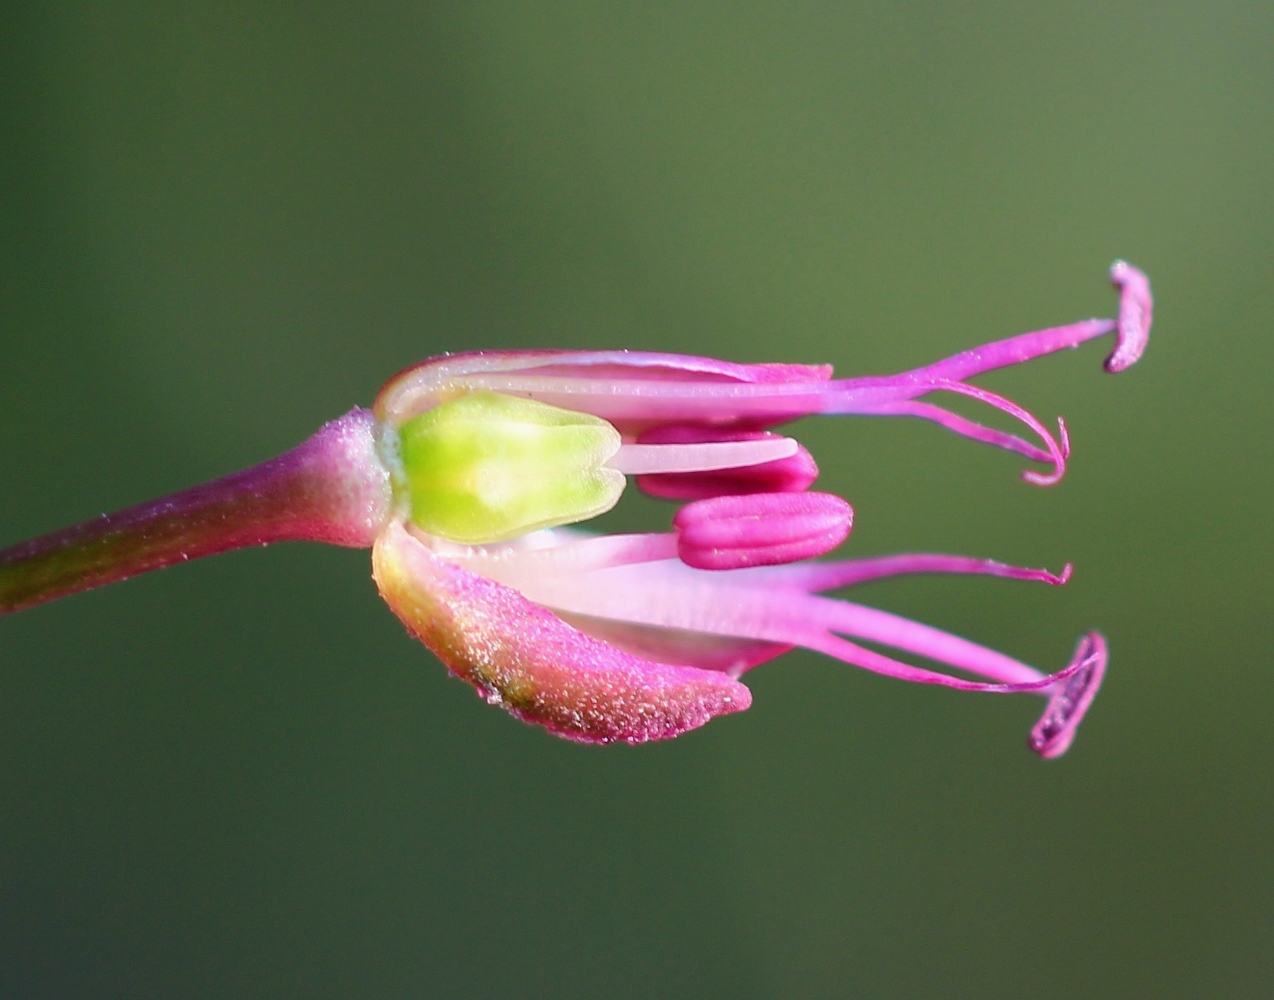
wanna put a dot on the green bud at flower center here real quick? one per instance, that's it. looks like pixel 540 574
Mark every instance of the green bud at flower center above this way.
pixel 487 467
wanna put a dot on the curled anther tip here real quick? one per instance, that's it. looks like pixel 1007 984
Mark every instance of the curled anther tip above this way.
pixel 1064 576
pixel 1068 703
pixel 1045 478
pixel 1136 309
pixel 1060 453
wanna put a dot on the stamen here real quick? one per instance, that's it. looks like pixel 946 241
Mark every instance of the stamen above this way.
pixel 637 391
pixel 1053 734
pixel 754 605
pixel 820 577
pixel 966 428
pixel 1057 451
pixel 1136 309
pixel 672 595
pixel 787 475
pixel 997 354
pixel 760 529
pixel 644 459
pixel 878 663
pixel 887 629
pixel 897 394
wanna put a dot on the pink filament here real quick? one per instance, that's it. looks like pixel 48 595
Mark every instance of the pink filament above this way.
pixel 816 577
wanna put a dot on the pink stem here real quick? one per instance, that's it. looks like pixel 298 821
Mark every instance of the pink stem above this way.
pixel 332 488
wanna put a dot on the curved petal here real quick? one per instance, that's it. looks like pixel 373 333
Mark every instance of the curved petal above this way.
pixel 587 378
pixel 522 656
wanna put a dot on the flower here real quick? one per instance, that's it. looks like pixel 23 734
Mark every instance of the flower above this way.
pixel 645 636
pixel 465 475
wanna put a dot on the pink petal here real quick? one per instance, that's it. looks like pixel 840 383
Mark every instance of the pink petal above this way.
pixel 558 376
pixel 734 620
pixel 538 667
pixel 726 654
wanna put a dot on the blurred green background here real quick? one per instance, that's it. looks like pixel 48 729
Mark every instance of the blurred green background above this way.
pixel 221 225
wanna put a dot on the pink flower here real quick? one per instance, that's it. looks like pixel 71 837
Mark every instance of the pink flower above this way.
pixel 470 465
pixel 644 637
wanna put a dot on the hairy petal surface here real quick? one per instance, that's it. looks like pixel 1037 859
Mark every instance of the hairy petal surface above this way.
pixel 522 656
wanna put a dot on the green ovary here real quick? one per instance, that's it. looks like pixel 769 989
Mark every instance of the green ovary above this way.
pixel 486 467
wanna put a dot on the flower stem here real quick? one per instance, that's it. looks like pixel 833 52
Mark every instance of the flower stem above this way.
pixel 332 488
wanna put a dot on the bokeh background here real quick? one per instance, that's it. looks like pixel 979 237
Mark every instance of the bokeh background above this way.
pixel 222 224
